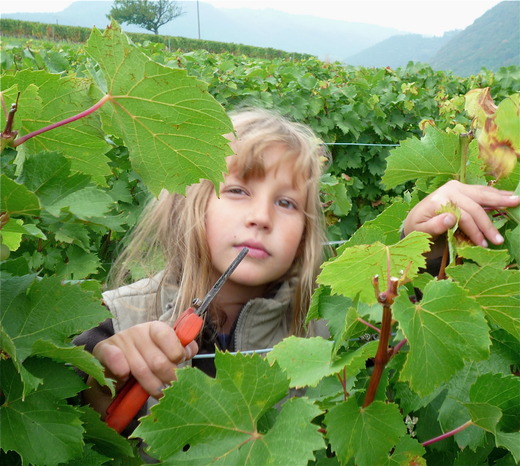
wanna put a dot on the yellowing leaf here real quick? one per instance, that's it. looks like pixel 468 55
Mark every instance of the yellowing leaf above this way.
pixel 479 105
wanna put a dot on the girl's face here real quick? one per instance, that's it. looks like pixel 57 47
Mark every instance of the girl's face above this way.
pixel 264 214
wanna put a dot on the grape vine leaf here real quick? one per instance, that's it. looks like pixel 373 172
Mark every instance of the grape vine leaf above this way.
pixel 495 290
pixel 386 225
pixel 172 126
pixel 308 360
pixel 502 392
pixel 407 452
pixel 81 141
pixel 49 176
pixel 365 434
pixel 73 355
pixel 484 415
pixel 46 310
pixel 217 420
pixel 436 153
pixel 339 313
pixel 352 272
pixel 17 199
pixel 497 258
pixel 511 441
pixel 106 439
pixel 445 328
pixel 52 428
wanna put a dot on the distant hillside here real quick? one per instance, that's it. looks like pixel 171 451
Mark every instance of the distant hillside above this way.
pixel 399 50
pixel 324 38
pixel 492 41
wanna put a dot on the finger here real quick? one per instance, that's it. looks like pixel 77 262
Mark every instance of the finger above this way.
pixel 468 225
pixel 437 225
pixel 477 225
pixel 165 338
pixel 490 197
pixel 141 369
pixel 113 359
pixel 191 350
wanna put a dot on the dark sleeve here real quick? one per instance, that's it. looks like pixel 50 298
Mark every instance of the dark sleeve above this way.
pixel 92 337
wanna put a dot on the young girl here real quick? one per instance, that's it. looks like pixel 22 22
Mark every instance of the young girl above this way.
pixel 269 202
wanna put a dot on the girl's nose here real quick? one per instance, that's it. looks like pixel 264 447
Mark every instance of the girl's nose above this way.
pixel 260 215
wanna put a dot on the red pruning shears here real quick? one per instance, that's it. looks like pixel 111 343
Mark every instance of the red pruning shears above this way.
pixel 132 396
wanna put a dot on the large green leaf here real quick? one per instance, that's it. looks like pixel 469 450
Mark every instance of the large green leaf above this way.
pixel 49 176
pixel 82 141
pixel 202 420
pixel 445 328
pixel 365 434
pixel 437 153
pixel 386 225
pixel 308 360
pixel 502 392
pixel 49 311
pixel 352 272
pixel 171 125
pixel 41 426
pixel 495 290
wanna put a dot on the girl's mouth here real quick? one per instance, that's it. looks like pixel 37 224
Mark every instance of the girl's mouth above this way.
pixel 256 250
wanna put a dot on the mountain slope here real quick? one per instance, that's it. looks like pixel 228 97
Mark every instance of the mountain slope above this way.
pixel 399 50
pixel 492 41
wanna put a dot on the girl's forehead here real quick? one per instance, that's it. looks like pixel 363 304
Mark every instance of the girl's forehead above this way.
pixel 275 161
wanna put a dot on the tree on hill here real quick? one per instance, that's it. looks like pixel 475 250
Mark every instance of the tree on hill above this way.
pixel 150 15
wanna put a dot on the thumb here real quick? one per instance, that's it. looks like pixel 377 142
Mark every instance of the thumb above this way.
pixel 191 350
pixel 114 360
pixel 438 225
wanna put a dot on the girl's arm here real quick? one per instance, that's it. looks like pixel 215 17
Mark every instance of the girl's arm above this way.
pixel 472 201
pixel 150 352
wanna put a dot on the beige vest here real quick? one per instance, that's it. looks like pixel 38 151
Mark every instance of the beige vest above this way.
pixel 262 323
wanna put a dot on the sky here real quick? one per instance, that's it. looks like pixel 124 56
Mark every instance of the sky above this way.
pixel 427 17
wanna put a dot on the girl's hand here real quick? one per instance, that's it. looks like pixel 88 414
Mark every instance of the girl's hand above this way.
pixel 472 201
pixel 150 352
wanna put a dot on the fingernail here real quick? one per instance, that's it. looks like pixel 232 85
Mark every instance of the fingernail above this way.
pixel 484 243
pixel 514 197
pixel 499 238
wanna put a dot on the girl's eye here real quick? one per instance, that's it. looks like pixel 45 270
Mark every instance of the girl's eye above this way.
pixel 286 204
pixel 235 190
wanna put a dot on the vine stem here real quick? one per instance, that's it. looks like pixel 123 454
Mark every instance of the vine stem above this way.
pixel 368 324
pixel 451 433
pixel 382 354
pixel 343 380
pixel 464 141
pixel 444 262
pixel 399 345
pixel 83 114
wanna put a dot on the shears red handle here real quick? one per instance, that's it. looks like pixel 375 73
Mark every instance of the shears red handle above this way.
pixel 132 396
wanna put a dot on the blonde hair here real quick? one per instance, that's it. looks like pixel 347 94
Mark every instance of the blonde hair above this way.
pixel 173 226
